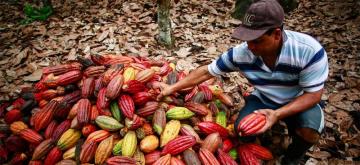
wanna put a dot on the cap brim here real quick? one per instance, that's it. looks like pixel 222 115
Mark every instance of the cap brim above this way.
pixel 246 34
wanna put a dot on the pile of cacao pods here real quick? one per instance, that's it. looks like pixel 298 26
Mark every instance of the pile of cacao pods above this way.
pixel 103 110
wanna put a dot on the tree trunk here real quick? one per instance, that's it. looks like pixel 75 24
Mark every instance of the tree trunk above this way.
pixel 242 5
pixel 165 32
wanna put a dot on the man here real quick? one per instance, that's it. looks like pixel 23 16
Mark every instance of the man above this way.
pixel 288 70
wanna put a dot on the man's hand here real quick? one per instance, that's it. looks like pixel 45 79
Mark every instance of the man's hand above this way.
pixel 197 76
pixel 271 119
pixel 165 90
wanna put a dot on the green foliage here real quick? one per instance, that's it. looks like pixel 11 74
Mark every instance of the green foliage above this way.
pixel 240 8
pixel 36 14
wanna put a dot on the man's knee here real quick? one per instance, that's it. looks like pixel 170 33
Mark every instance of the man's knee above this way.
pixel 308 134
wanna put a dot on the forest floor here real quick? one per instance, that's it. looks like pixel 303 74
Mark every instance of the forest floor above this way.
pixel 202 32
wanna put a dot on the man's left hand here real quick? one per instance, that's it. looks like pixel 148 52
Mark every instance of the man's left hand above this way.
pixel 271 119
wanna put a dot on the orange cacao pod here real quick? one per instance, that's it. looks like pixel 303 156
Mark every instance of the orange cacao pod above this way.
pixel 94 113
pixel 31 136
pixel 226 99
pixel 45 115
pixel 42 103
pixel 17 126
pixel 147 128
pixel 103 150
pixel 149 143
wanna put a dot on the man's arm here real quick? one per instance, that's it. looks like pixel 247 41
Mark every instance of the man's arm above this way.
pixel 195 77
pixel 300 104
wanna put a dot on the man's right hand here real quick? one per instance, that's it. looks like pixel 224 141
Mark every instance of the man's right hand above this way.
pixel 165 90
pixel 197 76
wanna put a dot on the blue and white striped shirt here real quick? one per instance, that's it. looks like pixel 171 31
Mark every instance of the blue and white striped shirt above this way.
pixel 301 66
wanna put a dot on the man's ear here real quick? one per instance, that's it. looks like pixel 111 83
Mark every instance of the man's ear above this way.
pixel 277 32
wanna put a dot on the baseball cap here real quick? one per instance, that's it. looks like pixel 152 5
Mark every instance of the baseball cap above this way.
pixel 260 17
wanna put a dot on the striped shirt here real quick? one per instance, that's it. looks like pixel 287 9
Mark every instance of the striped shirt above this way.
pixel 301 66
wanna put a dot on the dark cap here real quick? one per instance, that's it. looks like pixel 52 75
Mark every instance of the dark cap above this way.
pixel 260 17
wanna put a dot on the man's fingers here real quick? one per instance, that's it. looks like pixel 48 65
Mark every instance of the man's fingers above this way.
pixel 163 86
pixel 263 129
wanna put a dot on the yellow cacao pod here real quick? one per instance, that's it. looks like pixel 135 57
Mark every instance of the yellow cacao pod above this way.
pixel 170 132
pixel 68 139
pixel 104 150
pixel 128 147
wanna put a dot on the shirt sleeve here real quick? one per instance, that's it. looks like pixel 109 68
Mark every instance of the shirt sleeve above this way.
pixel 315 72
pixel 225 63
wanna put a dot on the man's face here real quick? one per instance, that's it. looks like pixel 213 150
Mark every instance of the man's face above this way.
pixel 266 44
